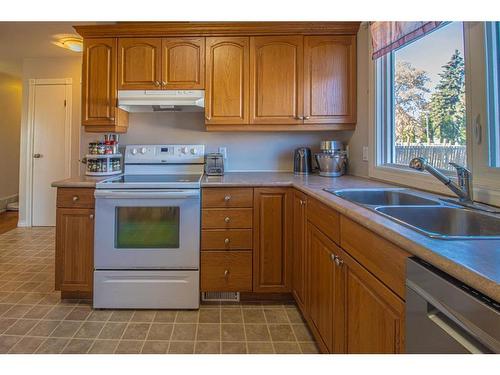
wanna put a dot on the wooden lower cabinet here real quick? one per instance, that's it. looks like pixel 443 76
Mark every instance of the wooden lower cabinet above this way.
pixel 374 315
pixel 74 251
pixel 228 271
pixel 272 234
pixel 299 248
pixel 324 290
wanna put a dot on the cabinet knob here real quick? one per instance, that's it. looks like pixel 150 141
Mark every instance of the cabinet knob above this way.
pixel 157 83
pixel 91 216
pixel 76 198
pixel 226 273
pixel 227 198
pixel 302 202
pixel 339 262
pixel 227 219
pixel 164 83
pixel 333 257
pixel 226 241
pixel 306 117
pixel 297 118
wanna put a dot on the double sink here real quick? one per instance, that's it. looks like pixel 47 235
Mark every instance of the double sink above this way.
pixel 432 217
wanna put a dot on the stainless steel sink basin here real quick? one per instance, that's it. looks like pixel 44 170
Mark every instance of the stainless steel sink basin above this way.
pixel 445 221
pixel 383 197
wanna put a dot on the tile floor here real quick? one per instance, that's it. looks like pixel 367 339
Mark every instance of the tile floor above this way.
pixel 33 319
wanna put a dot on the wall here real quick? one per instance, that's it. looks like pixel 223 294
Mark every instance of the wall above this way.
pixel 10 125
pixel 246 151
pixel 37 68
pixel 359 138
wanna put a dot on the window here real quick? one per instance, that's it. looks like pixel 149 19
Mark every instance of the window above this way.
pixel 492 31
pixel 421 100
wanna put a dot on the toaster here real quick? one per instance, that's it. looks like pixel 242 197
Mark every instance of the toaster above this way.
pixel 214 164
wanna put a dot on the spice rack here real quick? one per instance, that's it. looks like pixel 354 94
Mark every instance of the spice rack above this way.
pixel 103 158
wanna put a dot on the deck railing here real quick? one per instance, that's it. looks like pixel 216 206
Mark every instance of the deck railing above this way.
pixel 438 155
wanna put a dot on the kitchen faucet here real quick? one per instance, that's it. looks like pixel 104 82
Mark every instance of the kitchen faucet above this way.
pixel 464 188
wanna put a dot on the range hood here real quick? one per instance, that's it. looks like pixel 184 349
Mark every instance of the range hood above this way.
pixel 161 100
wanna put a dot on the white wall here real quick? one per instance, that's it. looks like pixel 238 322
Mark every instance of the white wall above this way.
pixel 359 138
pixel 10 125
pixel 246 150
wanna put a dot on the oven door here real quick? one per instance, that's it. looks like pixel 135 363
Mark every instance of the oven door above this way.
pixel 147 229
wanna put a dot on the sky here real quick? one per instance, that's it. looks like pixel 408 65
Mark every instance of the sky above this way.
pixel 438 46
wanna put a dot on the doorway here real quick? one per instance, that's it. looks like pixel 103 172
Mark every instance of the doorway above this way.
pixel 50 123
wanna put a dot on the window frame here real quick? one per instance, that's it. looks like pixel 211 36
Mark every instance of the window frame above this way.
pixel 486 179
pixel 492 55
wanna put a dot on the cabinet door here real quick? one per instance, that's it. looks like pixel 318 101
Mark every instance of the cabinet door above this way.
pixel 139 63
pixel 374 315
pixel 272 258
pixel 329 79
pixel 276 80
pixel 324 289
pixel 299 249
pixel 74 249
pixel 183 63
pixel 227 85
pixel 99 82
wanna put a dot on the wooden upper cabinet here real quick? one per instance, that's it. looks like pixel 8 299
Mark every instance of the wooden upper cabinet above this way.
pixel 276 79
pixel 272 245
pixel 183 63
pixel 329 79
pixel 99 82
pixel 374 315
pixel 139 63
pixel 227 80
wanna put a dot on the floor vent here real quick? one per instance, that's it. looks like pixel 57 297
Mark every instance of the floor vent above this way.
pixel 221 296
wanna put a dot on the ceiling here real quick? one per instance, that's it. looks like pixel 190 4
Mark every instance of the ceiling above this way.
pixel 19 40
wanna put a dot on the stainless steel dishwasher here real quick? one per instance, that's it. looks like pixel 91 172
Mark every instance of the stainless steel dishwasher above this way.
pixel 445 316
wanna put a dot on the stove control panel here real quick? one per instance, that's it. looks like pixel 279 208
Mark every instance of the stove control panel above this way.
pixel 164 154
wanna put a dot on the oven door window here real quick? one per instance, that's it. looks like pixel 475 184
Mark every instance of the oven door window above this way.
pixel 147 228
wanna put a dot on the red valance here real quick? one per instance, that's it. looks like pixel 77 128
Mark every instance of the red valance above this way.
pixel 388 36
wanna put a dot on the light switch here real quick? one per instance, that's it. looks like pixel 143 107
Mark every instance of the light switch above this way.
pixel 223 151
pixel 365 153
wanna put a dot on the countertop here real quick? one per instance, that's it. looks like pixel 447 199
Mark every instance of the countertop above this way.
pixel 474 262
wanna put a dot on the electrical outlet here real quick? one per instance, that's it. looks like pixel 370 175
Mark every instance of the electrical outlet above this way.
pixel 223 151
pixel 365 153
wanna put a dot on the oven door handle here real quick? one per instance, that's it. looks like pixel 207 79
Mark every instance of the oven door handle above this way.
pixel 147 194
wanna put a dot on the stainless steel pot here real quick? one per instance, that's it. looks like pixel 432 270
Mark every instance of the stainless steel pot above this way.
pixel 331 164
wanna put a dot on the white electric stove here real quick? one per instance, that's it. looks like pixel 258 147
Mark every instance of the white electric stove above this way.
pixel 147 230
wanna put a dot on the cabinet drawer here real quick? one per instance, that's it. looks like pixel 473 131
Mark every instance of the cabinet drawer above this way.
pixel 75 198
pixel 324 218
pixel 230 239
pixel 224 271
pixel 227 197
pixel 226 218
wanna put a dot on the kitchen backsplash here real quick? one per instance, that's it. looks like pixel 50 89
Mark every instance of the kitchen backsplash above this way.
pixel 250 151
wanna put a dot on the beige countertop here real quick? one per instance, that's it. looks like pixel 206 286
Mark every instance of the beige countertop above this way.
pixel 79 182
pixel 475 262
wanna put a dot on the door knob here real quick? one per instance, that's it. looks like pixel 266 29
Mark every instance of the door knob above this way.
pixel 37 156
pixel 227 219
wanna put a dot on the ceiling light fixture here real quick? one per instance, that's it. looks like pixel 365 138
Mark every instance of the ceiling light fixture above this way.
pixel 72 43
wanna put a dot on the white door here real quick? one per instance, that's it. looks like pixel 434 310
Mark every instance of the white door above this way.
pixel 51 148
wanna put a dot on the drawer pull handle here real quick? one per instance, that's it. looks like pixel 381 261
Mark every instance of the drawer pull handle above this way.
pixel 226 274
pixel 227 198
pixel 226 241
pixel 227 219
pixel 75 198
